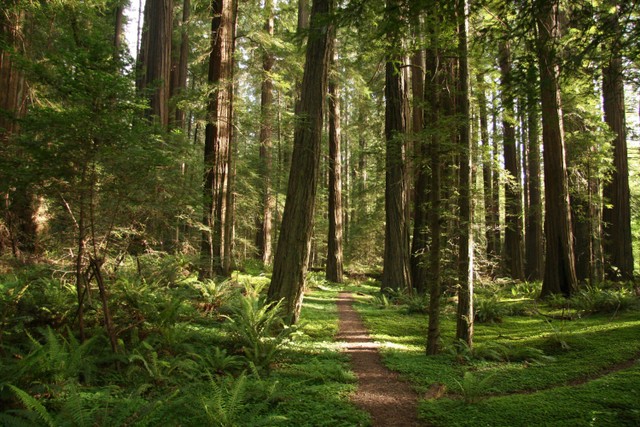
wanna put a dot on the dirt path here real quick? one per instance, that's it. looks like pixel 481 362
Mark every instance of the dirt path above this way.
pixel 390 402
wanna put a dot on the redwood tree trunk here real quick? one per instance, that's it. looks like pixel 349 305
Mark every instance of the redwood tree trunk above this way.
pixel 513 198
pixel 179 71
pixel 396 273
pixel 217 137
pixel 535 256
pixel 486 166
pixel 464 324
pixel 334 269
pixel 616 212
pixel 155 58
pixel 294 242
pixel 560 273
pixel 264 232
pixel 435 228
pixel 420 220
pixel 19 203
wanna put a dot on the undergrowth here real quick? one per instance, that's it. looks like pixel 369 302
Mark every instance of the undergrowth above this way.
pixel 527 358
pixel 188 352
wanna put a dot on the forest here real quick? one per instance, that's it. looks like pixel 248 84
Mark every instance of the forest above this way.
pixel 319 213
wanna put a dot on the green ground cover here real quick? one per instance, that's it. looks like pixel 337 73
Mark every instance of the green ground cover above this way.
pixel 189 353
pixel 557 370
pixel 209 353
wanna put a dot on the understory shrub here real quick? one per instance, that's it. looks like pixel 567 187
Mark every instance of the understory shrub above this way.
pixel 489 310
pixel 257 328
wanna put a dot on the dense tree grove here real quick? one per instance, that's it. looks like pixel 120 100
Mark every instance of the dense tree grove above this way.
pixel 430 142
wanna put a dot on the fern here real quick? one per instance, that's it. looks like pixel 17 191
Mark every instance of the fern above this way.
pixel 224 405
pixel 472 388
pixel 32 404
pixel 258 328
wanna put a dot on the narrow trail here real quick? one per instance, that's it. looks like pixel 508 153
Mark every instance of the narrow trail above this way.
pixel 390 401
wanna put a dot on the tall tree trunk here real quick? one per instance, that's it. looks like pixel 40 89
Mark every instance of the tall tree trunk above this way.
pixel 264 232
pixel 217 136
pixel 396 273
pixel 432 95
pixel 303 15
pixel 496 240
pixel 513 197
pixel 155 58
pixel 334 269
pixel 486 168
pixel 230 202
pixel 179 71
pixel 534 252
pixel 560 273
pixel 617 212
pixel 14 101
pixel 420 221
pixel 464 324
pixel 292 253
pixel 118 27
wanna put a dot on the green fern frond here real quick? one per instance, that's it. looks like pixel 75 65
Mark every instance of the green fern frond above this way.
pixel 32 404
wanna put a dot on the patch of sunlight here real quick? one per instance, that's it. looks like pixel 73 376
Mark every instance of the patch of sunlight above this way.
pixel 316 345
pixel 388 345
pixel 319 306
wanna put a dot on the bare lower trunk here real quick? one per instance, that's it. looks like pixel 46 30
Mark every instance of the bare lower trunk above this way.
pixel 334 269
pixel 435 230
pixel 534 253
pixel 513 197
pixel 396 273
pixel 292 254
pixel 264 232
pixel 464 324
pixel 617 212
pixel 560 274
pixel 218 138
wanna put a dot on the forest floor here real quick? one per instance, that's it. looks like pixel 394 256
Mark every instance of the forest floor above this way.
pixel 389 400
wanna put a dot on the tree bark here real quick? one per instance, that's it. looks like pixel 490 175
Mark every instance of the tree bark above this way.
pixel 217 137
pixel 155 58
pixel 179 72
pixel 616 212
pixel 292 253
pixel 14 101
pixel 421 176
pixel 334 270
pixel 513 256
pixel 264 226
pixel 496 241
pixel 534 241
pixel 303 15
pixel 464 323
pixel 486 167
pixel 396 273
pixel 435 229
pixel 228 231
pixel 560 273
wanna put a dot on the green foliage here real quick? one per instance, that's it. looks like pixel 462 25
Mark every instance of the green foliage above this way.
pixel 416 303
pixel 216 360
pixel 489 310
pixel 381 300
pixel 499 352
pixel 258 329
pixel 34 407
pixel 473 387
pixel 593 300
pixel 225 404
pixel 529 290
pixel 60 359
